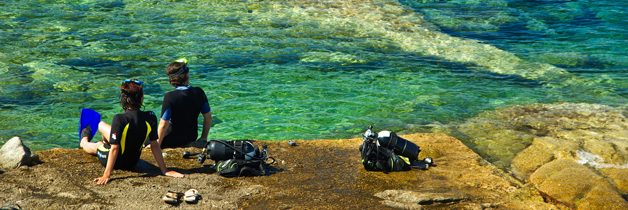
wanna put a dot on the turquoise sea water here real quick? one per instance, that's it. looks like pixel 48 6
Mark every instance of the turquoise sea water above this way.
pixel 307 70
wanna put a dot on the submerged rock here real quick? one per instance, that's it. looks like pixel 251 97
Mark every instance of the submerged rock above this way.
pixel 14 154
pixel 576 154
pixel 411 199
pixel 334 57
pixel 576 186
pixel 391 25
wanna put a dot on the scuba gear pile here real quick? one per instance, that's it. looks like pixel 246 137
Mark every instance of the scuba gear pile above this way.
pixel 225 150
pixel 399 145
pixel 385 151
pixel 236 158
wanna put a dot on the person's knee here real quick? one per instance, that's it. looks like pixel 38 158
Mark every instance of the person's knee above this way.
pixel 90 147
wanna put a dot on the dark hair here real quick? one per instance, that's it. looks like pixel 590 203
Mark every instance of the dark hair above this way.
pixel 178 73
pixel 131 96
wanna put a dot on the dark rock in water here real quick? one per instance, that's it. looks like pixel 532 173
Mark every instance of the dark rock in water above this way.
pixel 88 62
pixel 11 207
pixel 14 154
pixel 414 200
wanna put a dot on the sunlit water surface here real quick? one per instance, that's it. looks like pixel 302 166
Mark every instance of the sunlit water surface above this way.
pixel 275 73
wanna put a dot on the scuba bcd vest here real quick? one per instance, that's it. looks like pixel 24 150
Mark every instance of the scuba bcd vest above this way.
pixel 238 167
pixel 237 158
pixel 387 152
pixel 377 158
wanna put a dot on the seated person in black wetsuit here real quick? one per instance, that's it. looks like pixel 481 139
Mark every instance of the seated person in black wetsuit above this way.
pixel 180 109
pixel 123 139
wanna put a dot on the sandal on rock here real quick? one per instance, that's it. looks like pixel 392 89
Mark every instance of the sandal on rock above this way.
pixel 172 197
pixel 191 196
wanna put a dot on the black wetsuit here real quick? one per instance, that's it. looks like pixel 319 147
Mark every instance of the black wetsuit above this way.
pixel 129 130
pixel 182 108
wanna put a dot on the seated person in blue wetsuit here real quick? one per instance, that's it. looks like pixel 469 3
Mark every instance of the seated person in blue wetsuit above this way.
pixel 180 110
pixel 124 138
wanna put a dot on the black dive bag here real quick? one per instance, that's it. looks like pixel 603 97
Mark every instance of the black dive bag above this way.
pixel 400 146
pixel 377 158
pixel 386 152
pixel 237 158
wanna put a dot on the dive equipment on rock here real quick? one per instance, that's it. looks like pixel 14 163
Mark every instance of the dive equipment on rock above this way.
pixel 385 151
pixel 399 145
pixel 236 158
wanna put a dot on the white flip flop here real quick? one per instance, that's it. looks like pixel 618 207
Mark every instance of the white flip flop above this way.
pixel 191 196
pixel 171 197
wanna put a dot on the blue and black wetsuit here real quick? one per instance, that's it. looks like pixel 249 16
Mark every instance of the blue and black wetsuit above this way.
pixel 129 130
pixel 182 107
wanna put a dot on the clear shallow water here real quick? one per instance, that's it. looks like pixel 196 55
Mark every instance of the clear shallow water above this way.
pixel 276 70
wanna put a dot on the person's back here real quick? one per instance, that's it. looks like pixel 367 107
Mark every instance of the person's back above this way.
pixel 130 130
pixel 180 110
pixel 185 105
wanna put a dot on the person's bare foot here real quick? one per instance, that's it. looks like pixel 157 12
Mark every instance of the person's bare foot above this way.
pixel 87 132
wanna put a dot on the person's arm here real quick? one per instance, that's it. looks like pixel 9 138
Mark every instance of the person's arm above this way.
pixel 111 161
pixel 161 131
pixel 207 123
pixel 154 147
pixel 164 120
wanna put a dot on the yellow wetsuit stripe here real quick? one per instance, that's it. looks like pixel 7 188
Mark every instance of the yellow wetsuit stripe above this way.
pixel 148 129
pixel 123 141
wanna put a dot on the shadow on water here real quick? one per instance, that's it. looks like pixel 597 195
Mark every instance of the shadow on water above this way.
pixel 110 5
pixel 17 90
pixel 623 92
pixel 21 100
pixel 437 65
pixel 333 67
pixel 242 59
pixel 88 62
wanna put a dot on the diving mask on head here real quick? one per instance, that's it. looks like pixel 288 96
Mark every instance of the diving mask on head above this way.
pixel 136 81
pixel 183 70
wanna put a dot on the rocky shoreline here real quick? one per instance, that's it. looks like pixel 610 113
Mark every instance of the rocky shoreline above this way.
pixel 540 156
pixel 574 153
pixel 319 174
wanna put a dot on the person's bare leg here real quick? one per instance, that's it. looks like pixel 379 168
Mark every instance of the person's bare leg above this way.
pixel 92 147
pixel 105 130
pixel 89 147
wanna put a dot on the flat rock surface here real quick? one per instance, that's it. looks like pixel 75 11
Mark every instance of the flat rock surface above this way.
pixel 312 175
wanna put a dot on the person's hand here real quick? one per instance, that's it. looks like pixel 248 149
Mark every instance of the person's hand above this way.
pixel 173 174
pixel 102 180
